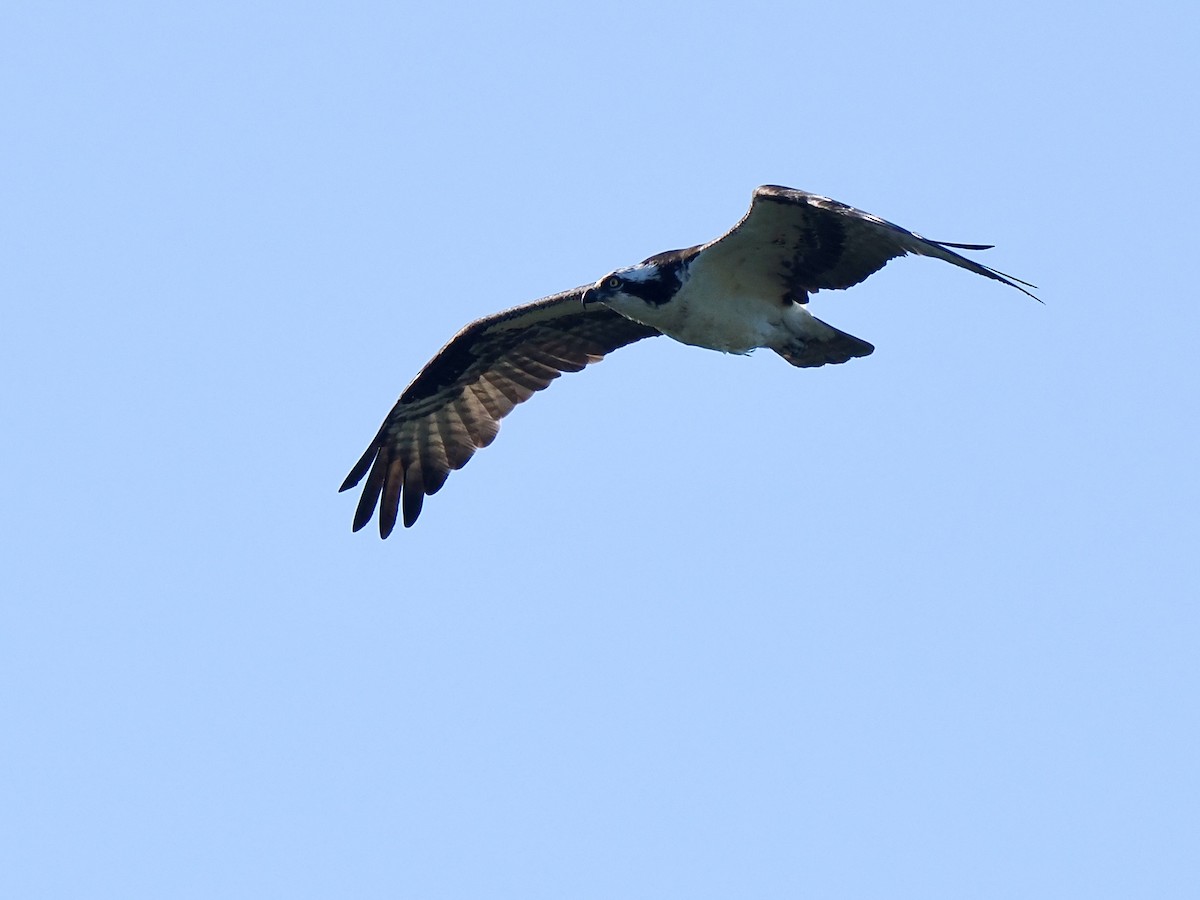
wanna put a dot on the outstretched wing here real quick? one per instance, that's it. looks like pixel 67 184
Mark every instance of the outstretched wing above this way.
pixel 796 243
pixel 455 404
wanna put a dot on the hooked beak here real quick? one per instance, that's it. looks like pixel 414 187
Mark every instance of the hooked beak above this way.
pixel 597 293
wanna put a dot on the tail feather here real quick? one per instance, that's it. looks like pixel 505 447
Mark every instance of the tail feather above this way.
pixel 822 344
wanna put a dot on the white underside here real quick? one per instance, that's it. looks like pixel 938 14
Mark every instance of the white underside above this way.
pixel 719 321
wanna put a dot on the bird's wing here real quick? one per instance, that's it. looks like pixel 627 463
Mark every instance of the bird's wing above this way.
pixel 455 404
pixel 796 243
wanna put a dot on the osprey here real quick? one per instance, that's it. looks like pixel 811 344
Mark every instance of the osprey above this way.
pixel 744 290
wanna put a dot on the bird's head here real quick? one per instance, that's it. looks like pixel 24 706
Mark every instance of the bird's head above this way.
pixel 626 289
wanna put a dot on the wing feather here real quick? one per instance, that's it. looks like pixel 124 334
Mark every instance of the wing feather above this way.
pixel 489 407
pixel 460 442
pixel 560 360
pixel 413 494
pixel 435 462
pixel 797 243
pixel 517 382
pixel 529 373
pixel 370 494
pixel 390 501
pixel 503 391
pixel 455 404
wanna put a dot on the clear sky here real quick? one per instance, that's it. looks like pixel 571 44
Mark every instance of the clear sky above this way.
pixel 923 625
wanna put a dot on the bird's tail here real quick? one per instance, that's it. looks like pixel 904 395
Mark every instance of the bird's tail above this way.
pixel 815 343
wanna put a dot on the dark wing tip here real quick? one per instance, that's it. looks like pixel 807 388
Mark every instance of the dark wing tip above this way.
pixel 371 490
pixel 1025 287
pixel 361 467
pixel 965 246
pixel 412 497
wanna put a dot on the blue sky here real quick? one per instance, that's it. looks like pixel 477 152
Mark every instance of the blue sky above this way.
pixel 923 625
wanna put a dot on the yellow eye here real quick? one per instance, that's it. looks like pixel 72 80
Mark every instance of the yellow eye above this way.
pixel 612 282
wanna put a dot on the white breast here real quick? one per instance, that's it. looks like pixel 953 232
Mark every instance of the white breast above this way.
pixel 709 312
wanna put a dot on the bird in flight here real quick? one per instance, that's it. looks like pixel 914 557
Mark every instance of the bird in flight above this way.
pixel 747 289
